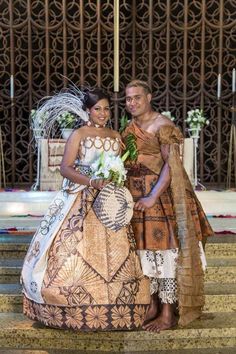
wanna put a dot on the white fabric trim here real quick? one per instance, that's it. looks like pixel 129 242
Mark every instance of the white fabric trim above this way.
pixel 162 264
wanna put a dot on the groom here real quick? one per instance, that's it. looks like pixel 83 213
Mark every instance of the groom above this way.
pixel 168 219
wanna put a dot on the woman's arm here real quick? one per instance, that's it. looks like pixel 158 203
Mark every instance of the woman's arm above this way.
pixel 70 155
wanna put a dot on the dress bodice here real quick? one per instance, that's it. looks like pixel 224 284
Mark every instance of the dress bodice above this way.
pixel 92 147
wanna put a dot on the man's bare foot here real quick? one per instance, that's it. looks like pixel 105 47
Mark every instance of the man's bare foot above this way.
pixel 160 324
pixel 165 320
pixel 153 310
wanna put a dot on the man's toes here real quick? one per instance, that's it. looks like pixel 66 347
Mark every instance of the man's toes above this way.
pixel 147 326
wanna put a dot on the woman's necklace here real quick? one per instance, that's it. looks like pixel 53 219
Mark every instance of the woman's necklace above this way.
pixel 90 124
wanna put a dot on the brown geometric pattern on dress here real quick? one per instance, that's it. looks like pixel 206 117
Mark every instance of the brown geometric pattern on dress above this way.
pixel 128 293
pixel 199 217
pixel 80 279
pixel 67 239
pixel 73 224
pixel 87 318
pixel 93 267
pixel 130 270
pixel 156 228
pixel 131 238
pixel 73 272
pixel 76 295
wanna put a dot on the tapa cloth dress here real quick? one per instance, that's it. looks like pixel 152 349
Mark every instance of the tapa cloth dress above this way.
pixel 168 234
pixel 77 274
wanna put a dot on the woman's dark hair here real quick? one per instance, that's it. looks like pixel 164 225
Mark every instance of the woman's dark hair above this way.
pixel 91 97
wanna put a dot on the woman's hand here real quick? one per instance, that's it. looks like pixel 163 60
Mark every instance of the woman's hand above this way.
pixel 145 203
pixel 98 183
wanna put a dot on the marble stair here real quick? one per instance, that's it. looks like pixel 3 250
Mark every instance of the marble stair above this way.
pixel 214 333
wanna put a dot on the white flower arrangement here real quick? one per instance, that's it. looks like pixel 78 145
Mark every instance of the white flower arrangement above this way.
pixel 38 122
pixel 168 115
pixel 42 124
pixel 110 167
pixel 196 120
pixel 66 120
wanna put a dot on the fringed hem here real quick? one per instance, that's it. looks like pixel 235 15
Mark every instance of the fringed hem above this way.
pixel 190 276
pixel 166 289
pixel 167 298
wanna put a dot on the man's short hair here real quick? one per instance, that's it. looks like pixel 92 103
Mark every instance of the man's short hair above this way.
pixel 139 83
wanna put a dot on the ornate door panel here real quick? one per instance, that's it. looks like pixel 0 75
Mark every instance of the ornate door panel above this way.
pixel 179 47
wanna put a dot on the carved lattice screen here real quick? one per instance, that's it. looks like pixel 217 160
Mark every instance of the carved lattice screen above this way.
pixel 179 47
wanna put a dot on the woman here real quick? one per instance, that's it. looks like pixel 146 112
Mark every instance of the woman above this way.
pixel 77 274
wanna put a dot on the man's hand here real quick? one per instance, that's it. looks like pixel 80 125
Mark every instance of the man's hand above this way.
pixel 145 203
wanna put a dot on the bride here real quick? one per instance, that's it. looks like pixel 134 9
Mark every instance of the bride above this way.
pixel 77 273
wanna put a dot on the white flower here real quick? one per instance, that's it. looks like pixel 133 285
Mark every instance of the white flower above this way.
pixel 168 115
pixel 66 120
pixel 110 167
pixel 195 119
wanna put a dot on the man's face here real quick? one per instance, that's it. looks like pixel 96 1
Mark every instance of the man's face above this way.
pixel 137 101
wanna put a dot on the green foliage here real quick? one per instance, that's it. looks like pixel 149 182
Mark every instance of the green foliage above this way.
pixel 123 123
pixel 131 147
pixel 66 120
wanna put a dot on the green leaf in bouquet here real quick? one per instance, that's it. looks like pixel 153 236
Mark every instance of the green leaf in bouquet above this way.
pixel 131 147
pixel 123 123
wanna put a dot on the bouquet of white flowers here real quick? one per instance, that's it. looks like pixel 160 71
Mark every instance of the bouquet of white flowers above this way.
pixel 110 167
pixel 196 119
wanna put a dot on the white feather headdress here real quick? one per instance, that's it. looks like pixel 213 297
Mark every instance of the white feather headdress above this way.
pixel 50 108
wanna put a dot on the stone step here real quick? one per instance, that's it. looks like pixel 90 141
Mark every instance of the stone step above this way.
pixel 221 270
pixel 215 330
pixel 15 246
pixel 174 351
pixel 10 298
pixel 18 250
pixel 10 270
pixel 219 298
pixel 220 250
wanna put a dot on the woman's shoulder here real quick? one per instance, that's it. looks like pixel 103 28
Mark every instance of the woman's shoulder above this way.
pixel 114 134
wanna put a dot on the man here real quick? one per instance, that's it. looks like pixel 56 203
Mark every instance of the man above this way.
pixel 168 220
